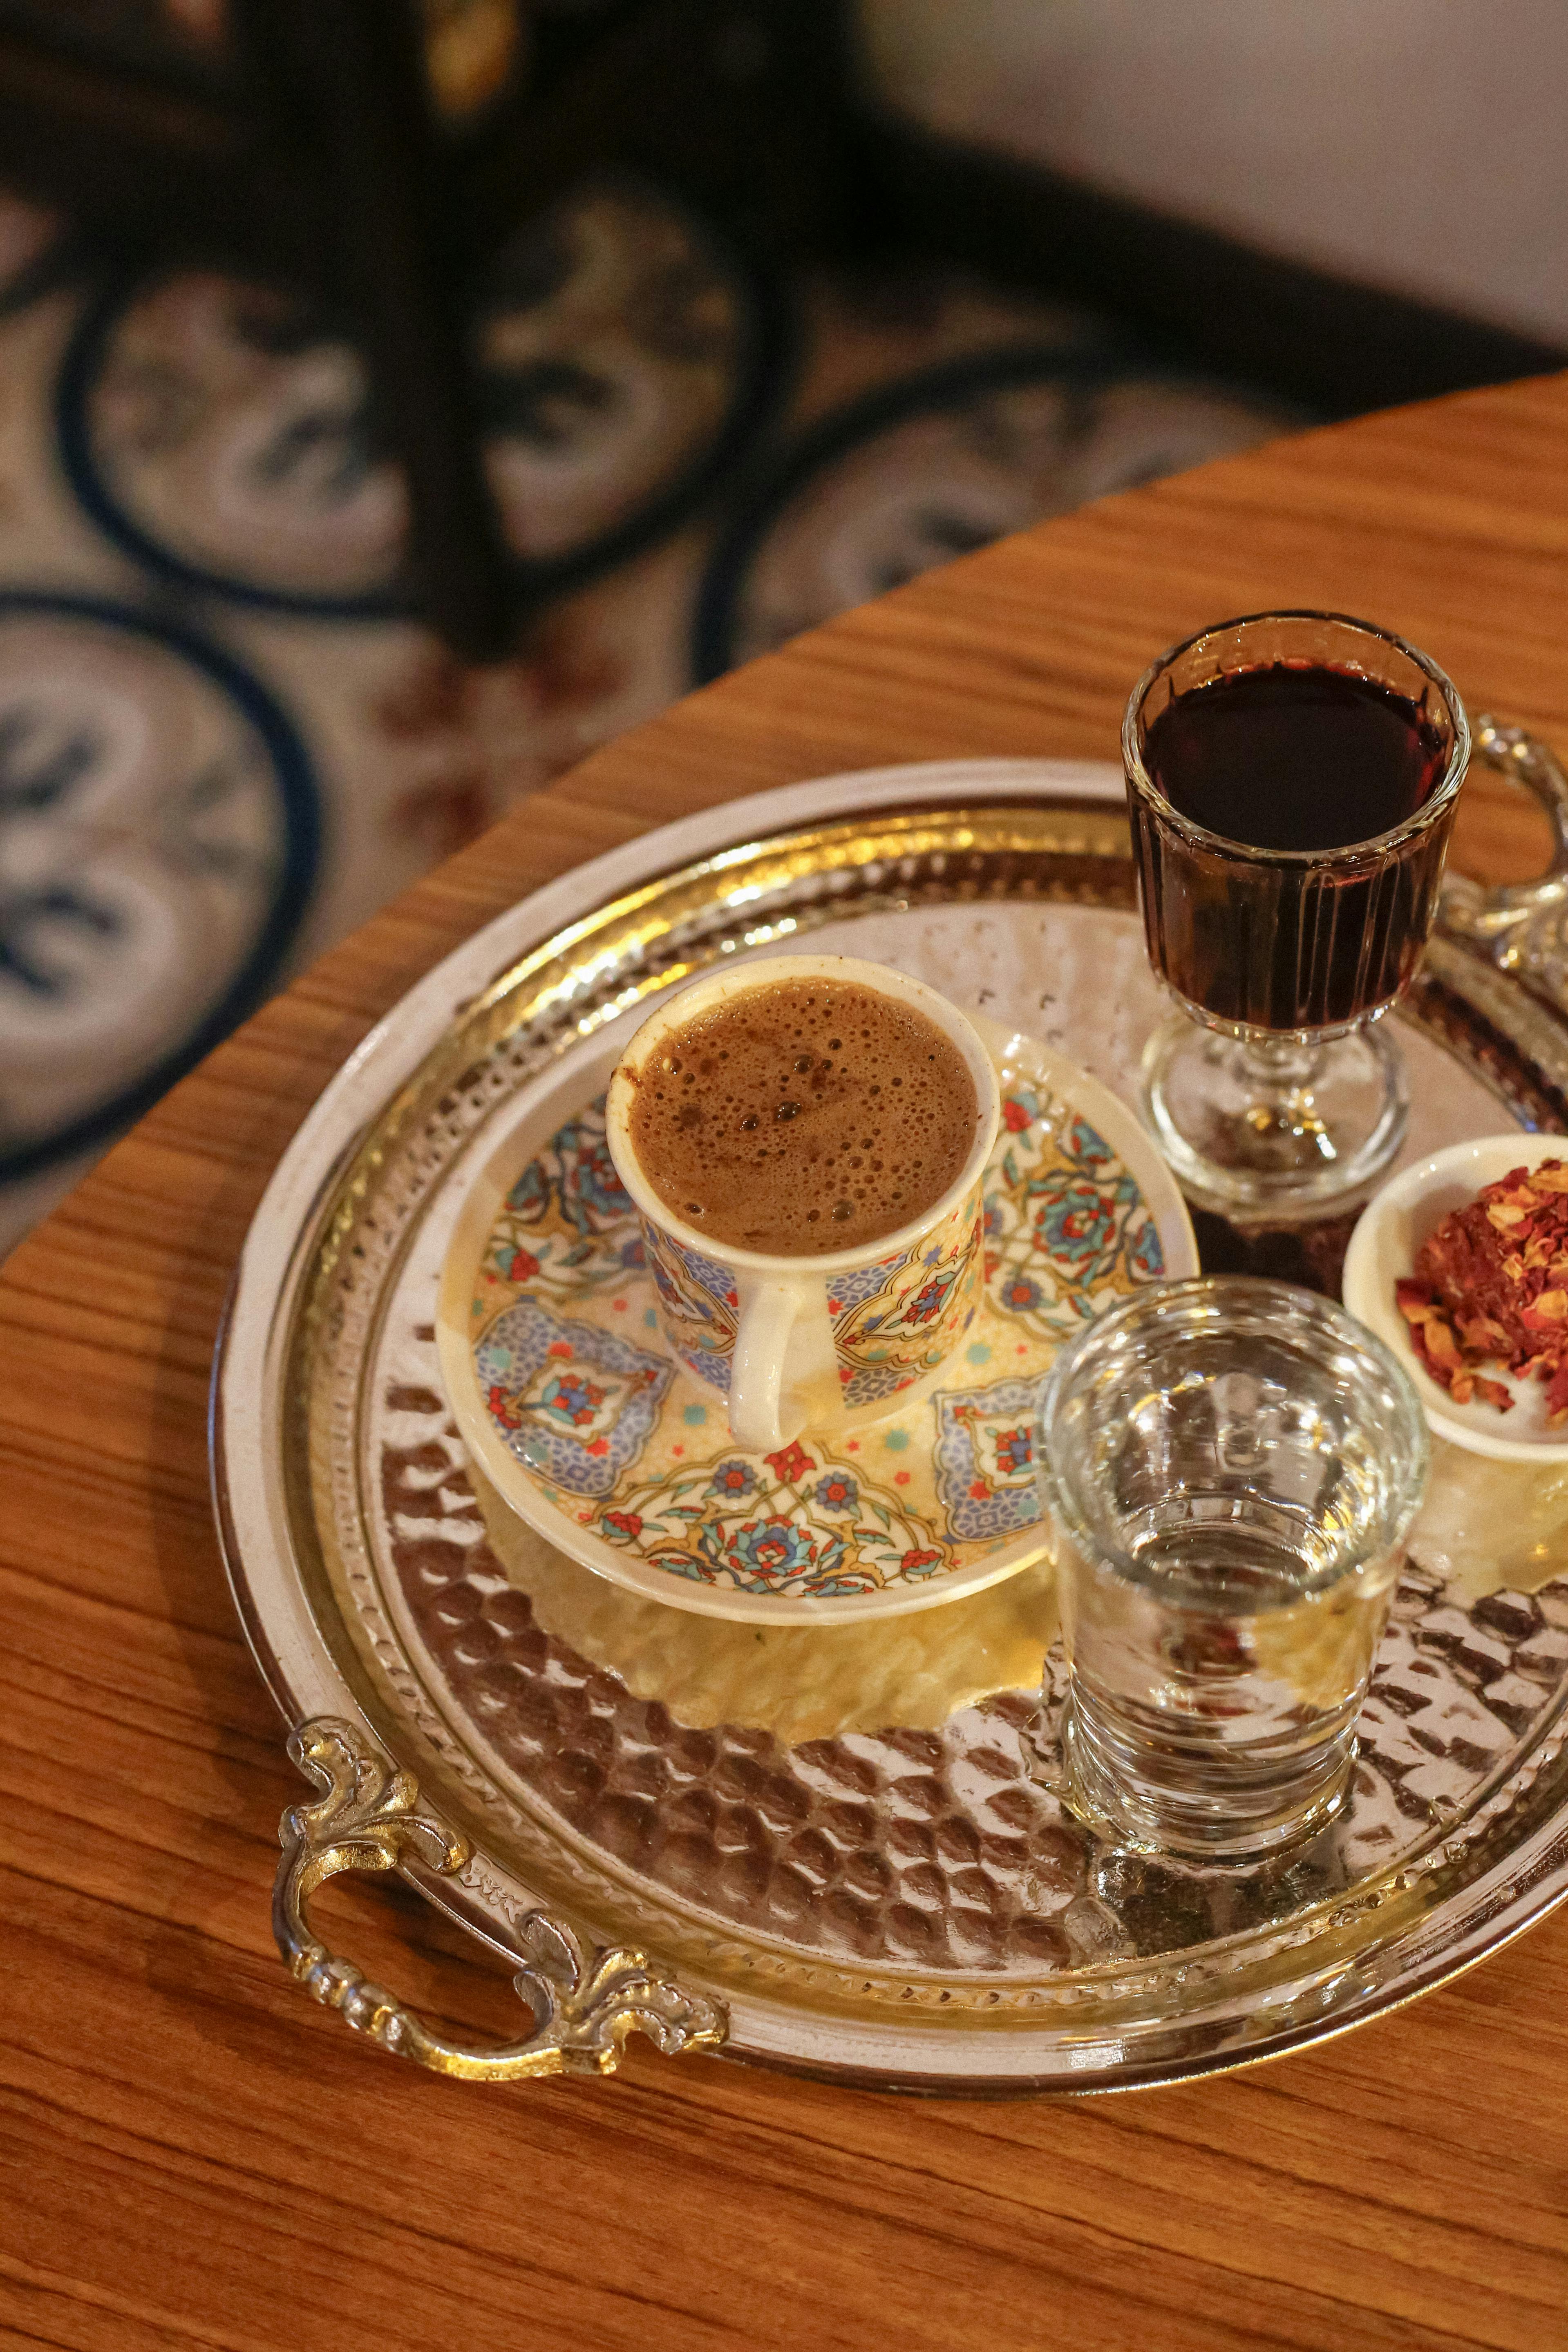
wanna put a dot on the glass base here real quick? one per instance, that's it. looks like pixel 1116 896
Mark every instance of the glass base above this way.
pixel 1274 1131
pixel 1238 1811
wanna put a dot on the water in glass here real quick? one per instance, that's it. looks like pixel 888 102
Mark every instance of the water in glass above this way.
pixel 1230 1470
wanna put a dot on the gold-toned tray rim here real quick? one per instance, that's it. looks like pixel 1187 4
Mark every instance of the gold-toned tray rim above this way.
pixel 297 1661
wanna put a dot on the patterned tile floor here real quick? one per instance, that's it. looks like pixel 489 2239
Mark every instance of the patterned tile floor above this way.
pixel 223 739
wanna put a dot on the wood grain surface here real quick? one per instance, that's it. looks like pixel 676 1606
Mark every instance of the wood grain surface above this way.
pixel 194 2155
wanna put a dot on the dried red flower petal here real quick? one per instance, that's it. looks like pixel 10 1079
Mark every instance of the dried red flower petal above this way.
pixel 1489 1287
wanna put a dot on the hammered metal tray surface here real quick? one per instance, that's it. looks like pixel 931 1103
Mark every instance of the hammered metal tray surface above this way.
pixel 847 1837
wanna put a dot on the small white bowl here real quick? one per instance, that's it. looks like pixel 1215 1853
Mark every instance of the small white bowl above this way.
pixel 1382 1251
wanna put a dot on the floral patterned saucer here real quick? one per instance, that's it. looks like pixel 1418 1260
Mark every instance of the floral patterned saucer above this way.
pixel 565 1391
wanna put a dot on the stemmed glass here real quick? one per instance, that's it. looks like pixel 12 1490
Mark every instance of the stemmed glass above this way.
pixel 1283 934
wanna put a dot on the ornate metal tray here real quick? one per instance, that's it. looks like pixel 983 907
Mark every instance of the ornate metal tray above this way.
pixel 836 1850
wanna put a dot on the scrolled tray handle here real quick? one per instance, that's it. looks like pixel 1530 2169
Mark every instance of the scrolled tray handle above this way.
pixel 1492 917
pixel 584 2003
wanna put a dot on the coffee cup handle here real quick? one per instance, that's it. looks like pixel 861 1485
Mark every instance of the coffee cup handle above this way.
pixel 784 1347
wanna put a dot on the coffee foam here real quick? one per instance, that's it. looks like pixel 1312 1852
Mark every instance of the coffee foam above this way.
pixel 804 1117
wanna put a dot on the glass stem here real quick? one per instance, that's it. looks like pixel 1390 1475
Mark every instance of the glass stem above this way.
pixel 1278 1077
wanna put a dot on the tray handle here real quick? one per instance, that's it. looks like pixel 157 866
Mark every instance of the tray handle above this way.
pixel 584 2002
pixel 1492 916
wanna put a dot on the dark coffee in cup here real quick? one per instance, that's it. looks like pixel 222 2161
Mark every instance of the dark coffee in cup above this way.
pixel 804 1117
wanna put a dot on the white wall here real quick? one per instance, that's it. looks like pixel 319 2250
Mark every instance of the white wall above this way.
pixel 1421 145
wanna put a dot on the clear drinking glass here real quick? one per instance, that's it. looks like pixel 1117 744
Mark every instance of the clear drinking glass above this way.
pixel 1229 1469
pixel 1270 1092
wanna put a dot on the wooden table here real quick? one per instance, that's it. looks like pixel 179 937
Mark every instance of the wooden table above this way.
pixel 198 2156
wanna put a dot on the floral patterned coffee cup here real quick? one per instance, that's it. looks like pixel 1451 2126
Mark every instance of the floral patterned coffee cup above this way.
pixel 817 1342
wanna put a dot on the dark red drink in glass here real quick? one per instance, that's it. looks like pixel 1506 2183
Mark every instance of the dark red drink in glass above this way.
pixel 1291 783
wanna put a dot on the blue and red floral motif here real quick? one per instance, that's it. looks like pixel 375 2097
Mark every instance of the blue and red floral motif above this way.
pixel 504 1409
pixel 1074 1220
pixel 985 1458
pixel 921 1563
pixel 529 1198
pixel 1146 1258
pixel 1015 1451
pixel 699 1306
pixel 592 1195
pixel 734 1480
pixel 1065 1225
pixel 563 1228
pixel 791 1464
pixel 896 1323
pixel 1086 1145
pixel 794 1521
pixel 930 1298
pixel 573 1399
pixel 770 1553
pixel 573 1402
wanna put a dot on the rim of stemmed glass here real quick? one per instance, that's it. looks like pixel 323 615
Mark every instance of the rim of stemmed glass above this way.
pixel 1378 844
pixel 1262 1294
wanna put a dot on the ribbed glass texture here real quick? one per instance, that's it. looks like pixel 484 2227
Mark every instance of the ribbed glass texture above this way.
pixel 1307 942
pixel 1229 1471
